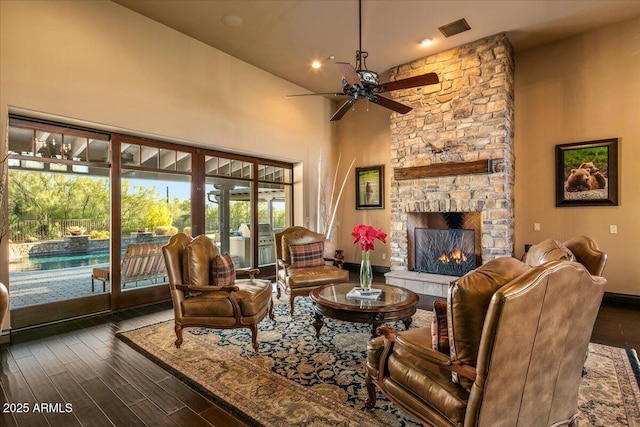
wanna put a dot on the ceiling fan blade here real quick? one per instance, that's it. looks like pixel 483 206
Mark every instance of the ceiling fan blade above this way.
pixel 316 94
pixel 349 73
pixel 390 104
pixel 423 80
pixel 343 110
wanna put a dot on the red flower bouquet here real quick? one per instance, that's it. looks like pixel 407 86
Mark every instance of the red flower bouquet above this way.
pixel 366 235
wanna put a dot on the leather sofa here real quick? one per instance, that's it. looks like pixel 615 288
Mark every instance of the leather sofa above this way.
pixel 517 334
pixel 299 277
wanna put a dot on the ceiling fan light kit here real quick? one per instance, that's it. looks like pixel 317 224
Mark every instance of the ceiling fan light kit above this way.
pixel 362 83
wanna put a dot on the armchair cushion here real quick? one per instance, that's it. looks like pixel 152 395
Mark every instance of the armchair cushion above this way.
pixel 548 250
pixel 224 274
pixel 439 328
pixel 197 261
pixel 307 255
pixel 468 301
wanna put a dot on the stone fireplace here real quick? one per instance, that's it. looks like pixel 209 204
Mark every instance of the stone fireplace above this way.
pixel 453 153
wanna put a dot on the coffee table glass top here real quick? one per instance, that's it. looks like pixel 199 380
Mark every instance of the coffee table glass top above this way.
pixel 337 294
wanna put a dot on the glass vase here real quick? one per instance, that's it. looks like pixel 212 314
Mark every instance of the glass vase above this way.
pixel 366 274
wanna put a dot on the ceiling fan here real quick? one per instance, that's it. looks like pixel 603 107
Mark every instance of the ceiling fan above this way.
pixel 362 83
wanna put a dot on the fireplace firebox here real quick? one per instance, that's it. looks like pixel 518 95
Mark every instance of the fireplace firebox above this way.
pixel 445 251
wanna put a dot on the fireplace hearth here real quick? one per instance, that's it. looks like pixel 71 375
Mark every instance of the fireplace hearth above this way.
pixel 445 251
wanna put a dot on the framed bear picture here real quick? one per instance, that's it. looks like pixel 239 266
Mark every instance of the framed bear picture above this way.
pixel 587 173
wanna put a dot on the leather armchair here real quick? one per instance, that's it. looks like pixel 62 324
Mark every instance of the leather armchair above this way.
pixel 518 336
pixel 299 281
pixel 582 249
pixel 198 302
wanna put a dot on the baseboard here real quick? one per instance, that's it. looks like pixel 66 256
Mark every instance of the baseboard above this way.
pixel 5 337
pixel 621 299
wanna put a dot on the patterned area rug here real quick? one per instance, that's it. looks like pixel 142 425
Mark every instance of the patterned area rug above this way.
pixel 296 379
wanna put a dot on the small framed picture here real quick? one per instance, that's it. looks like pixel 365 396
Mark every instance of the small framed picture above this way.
pixel 587 173
pixel 370 187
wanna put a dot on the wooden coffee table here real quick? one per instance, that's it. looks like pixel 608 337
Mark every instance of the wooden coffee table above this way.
pixel 394 303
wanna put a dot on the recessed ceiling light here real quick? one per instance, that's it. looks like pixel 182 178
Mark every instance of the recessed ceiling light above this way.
pixel 231 20
pixel 426 42
pixel 316 64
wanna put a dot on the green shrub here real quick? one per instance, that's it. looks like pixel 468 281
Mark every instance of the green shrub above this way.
pixel 99 234
pixel 165 230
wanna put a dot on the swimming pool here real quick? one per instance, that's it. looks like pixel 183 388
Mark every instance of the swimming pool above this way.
pixel 59 261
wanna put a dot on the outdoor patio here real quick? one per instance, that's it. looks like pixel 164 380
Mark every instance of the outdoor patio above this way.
pixel 43 286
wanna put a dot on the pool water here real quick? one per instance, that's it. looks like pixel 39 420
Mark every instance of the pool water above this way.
pixel 60 261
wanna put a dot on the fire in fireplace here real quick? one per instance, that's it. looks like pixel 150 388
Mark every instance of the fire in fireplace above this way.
pixel 445 251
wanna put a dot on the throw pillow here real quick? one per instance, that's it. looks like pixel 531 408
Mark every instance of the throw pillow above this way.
pixel 224 273
pixel 197 261
pixel 307 255
pixel 439 328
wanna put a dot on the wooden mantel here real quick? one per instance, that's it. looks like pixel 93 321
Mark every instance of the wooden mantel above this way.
pixel 448 169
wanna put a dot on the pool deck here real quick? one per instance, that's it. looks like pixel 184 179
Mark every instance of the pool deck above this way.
pixel 28 288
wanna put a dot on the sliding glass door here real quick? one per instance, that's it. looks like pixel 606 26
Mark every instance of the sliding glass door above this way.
pixel 59 220
pixel 89 212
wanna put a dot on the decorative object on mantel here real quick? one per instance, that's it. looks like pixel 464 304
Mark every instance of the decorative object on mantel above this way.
pixel 587 173
pixel 370 187
pixel 449 169
pixel 362 83
pixel 444 150
pixel 366 236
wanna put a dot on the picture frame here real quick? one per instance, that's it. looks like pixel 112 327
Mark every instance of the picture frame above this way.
pixel 370 187
pixel 587 173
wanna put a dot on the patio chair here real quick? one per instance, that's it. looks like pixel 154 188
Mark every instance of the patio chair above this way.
pixel 141 261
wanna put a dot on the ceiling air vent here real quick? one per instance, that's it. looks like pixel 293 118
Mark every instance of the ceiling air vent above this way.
pixel 455 27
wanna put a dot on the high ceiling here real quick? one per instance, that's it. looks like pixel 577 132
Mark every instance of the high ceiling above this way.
pixel 283 37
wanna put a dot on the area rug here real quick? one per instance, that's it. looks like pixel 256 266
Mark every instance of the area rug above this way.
pixel 296 379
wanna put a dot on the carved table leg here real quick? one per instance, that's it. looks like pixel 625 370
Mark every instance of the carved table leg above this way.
pixel 318 323
pixel 377 321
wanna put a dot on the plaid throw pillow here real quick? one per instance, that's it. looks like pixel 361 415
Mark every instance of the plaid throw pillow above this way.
pixel 439 328
pixel 224 274
pixel 307 255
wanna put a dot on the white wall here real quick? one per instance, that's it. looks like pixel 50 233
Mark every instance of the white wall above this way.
pixel 98 63
pixel 583 88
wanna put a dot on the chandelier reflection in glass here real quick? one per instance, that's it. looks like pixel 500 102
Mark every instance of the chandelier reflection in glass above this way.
pixel 55 151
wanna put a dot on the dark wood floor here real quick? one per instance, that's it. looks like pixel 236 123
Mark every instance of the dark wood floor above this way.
pixel 109 384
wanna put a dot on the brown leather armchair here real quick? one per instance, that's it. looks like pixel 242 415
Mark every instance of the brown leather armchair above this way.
pixel 297 280
pixel 198 302
pixel 518 336
pixel 582 249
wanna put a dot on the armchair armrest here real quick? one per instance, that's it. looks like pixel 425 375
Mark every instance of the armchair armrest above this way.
pixel 193 288
pixel 282 264
pixel 251 272
pixel 430 356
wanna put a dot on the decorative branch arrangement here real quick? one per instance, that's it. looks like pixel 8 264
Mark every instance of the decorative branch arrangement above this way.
pixel 327 209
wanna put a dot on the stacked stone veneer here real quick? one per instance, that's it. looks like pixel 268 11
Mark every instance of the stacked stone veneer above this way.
pixel 467 116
